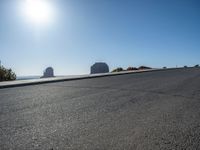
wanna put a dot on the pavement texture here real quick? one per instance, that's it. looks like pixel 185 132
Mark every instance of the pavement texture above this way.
pixel 146 111
pixel 17 83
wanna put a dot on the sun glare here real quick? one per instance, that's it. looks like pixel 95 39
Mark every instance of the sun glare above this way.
pixel 38 11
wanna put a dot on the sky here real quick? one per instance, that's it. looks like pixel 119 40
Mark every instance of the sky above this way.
pixel 122 33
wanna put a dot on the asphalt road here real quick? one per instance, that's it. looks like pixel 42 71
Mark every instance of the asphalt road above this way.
pixel 145 111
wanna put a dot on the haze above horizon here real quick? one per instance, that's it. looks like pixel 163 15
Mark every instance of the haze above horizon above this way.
pixel 71 35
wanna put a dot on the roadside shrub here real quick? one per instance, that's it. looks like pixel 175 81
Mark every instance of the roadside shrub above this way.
pixel 144 67
pixel 118 69
pixel 185 66
pixel 131 68
pixel 196 66
pixel 164 67
pixel 6 74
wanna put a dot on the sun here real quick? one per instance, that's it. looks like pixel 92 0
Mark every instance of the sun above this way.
pixel 38 11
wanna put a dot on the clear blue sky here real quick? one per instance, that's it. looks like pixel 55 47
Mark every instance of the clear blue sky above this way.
pixel 122 33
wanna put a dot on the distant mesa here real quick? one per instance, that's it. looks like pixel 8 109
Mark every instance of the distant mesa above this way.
pixel 99 67
pixel 48 73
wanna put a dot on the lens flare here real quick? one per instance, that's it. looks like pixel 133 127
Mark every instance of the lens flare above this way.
pixel 38 11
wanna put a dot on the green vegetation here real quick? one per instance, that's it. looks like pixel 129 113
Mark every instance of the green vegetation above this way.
pixel 131 68
pixel 144 67
pixel 119 69
pixel 6 74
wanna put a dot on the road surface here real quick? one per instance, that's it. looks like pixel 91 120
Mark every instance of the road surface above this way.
pixel 146 111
